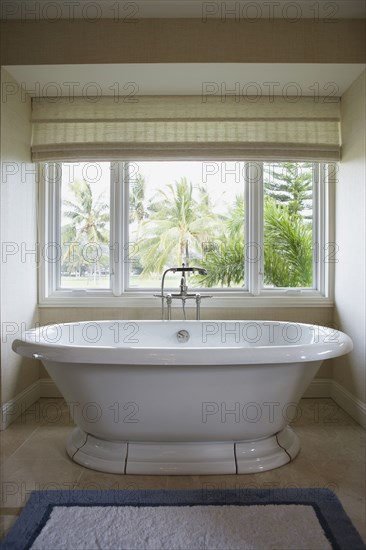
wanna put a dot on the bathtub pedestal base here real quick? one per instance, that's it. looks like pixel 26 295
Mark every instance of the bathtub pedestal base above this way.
pixel 97 454
pixel 267 454
pixel 183 458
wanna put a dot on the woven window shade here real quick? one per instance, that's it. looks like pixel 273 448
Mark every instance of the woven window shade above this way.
pixel 185 127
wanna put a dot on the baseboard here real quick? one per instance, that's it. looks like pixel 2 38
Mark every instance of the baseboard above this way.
pixel 319 387
pixel 11 410
pixel 48 388
pixel 351 404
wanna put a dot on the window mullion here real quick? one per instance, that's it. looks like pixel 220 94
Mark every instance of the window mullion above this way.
pixel 254 249
pixel 321 228
pixel 254 243
pixel 50 206
pixel 124 226
pixel 116 220
pixel 53 232
pixel 44 224
pixel 55 236
pixel 318 226
pixel 326 207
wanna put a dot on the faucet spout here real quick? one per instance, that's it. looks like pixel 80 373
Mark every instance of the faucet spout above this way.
pixel 183 294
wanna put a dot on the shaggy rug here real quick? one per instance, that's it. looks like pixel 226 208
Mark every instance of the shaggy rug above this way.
pixel 281 519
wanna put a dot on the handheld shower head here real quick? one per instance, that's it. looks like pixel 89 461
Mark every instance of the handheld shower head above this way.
pixel 184 269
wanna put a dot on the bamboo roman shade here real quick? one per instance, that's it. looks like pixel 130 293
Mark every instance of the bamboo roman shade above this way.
pixel 185 127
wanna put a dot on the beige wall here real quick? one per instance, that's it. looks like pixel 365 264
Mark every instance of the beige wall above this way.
pixel 18 232
pixel 320 315
pixel 350 276
pixel 183 41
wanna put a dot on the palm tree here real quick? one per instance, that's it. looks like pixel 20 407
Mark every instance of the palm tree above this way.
pixel 288 254
pixel 235 220
pixel 225 261
pixel 137 213
pixel 224 264
pixel 89 219
pixel 287 249
pixel 177 226
pixel 137 200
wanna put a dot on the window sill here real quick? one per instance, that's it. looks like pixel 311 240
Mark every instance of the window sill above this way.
pixel 218 300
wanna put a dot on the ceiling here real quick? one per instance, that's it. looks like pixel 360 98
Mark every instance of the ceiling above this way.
pixel 151 9
pixel 255 79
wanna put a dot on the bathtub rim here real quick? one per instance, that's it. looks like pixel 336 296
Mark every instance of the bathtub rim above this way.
pixel 181 354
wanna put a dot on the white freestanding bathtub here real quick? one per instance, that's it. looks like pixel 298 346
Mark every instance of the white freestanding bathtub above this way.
pixel 216 398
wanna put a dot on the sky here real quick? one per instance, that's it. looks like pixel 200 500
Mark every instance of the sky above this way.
pixel 224 180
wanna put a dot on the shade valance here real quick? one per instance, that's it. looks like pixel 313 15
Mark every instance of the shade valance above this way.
pixel 185 127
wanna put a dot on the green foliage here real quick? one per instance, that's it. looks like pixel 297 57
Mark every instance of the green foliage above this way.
pixel 235 222
pixel 287 250
pixel 137 199
pixel 289 183
pixel 178 224
pixel 287 247
pixel 89 219
pixel 224 264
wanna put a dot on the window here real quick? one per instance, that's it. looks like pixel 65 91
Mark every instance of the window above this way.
pixel 260 229
pixel 85 226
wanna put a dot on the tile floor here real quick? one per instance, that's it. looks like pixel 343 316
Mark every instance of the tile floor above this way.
pixel 332 456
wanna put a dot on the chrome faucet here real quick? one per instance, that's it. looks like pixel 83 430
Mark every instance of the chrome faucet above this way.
pixel 183 285
pixel 183 295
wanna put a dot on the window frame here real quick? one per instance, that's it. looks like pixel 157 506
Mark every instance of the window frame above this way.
pixel 251 295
